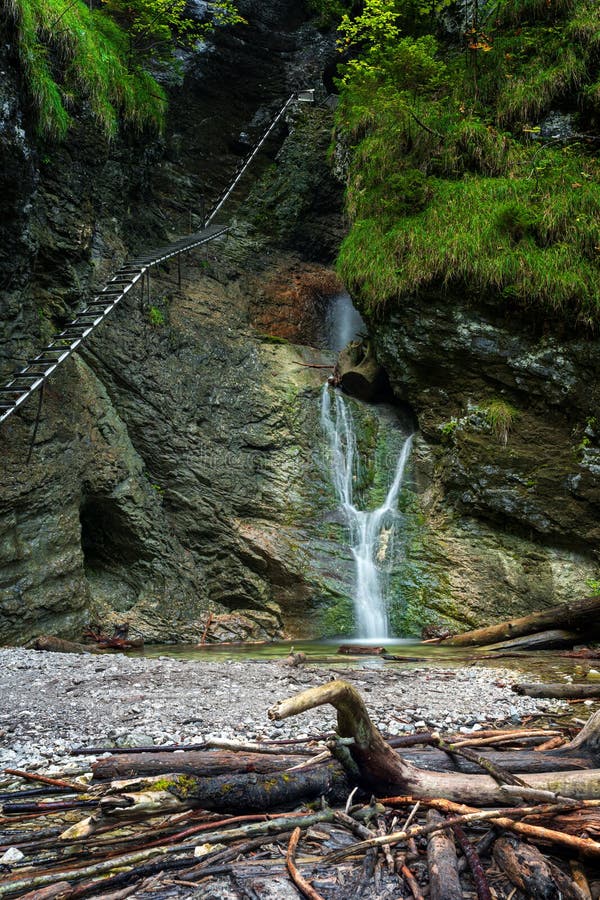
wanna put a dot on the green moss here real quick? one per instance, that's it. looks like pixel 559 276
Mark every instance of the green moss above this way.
pixel 183 786
pixel 447 190
pixel 338 617
pixel 71 53
pixel 163 784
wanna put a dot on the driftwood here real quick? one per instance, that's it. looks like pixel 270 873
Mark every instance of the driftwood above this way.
pixel 52 644
pixel 540 640
pixel 559 691
pixel 381 769
pixel 532 873
pixel 210 762
pixel 577 615
pixel 239 793
pixel 444 883
pixel 151 834
pixel 191 762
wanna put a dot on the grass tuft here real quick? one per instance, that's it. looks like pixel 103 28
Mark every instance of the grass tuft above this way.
pixel 70 51
pixel 448 192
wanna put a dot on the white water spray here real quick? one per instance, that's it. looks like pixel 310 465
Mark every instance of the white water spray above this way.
pixel 343 322
pixel 370 531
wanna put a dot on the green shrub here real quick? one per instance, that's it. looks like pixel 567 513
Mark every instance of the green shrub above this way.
pixel 501 417
pixel 156 317
pixel 448 194
pixel 70 52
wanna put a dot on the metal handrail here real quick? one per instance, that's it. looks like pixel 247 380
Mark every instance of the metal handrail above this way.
pixel 38 369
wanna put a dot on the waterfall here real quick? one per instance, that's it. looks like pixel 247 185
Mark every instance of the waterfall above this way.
pixel 343 322
pixel 370 530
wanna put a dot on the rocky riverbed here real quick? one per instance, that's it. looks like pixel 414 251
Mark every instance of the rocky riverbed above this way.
pixel 51 703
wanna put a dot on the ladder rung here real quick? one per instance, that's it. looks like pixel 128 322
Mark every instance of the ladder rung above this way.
pixel 7 405
pixel 12 390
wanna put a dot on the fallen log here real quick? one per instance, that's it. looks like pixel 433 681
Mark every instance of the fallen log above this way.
pixel 539 640
pixel 444 883
pixel 532 873
pixel 382 770
pixel 210 762
pixel 192 762
pixel 355 650
pixel 52 644
pixel 576 615
pixel 559 691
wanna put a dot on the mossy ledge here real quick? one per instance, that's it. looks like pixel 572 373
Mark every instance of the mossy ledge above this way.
pixel 72 55
pixel 452 187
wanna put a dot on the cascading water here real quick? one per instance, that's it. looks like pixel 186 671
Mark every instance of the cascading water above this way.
pixel 343 322
pixel 370 530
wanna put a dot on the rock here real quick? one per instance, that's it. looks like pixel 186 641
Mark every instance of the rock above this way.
pixel 510 520
pixel 359 374
pixel 11 856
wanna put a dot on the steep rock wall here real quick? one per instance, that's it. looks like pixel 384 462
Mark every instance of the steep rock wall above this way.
pixel 506 466
pixel 169 455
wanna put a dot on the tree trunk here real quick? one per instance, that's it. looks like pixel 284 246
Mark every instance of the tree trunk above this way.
pixel 559 691
pixel 240 793
pixel 532 873
pixel 210 762
pixel 577 615
pixel 541 640
pixel 191 762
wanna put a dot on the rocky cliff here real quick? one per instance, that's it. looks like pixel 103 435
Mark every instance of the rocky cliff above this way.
pixel 177 473
pixel 171 456
pixel 506 510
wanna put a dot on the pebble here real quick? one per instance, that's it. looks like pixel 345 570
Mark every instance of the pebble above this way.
pixel 12 856
pixel 191 701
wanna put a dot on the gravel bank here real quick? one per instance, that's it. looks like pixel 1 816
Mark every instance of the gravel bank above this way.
pixel 51 703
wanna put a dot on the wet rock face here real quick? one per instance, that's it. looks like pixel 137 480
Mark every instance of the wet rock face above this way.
pixel 166 478
pixel 507 464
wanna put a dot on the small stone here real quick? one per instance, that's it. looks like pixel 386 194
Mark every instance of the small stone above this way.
pixel 12 856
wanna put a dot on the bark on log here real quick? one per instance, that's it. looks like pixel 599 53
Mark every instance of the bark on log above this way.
pixel 191 762
pixel 58 645
pixel 211 763
pixel 580 613
pixel 444 883
pixel 539 640
pixel 559 691
pixel 382 770
pixel 532 873
pixel 240 793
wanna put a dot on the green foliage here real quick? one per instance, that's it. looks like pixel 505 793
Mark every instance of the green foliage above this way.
pixel 154 26
pixel 72 53
pixel 593 585
pixel 156 317
pixel 447 191
pixel 501 417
